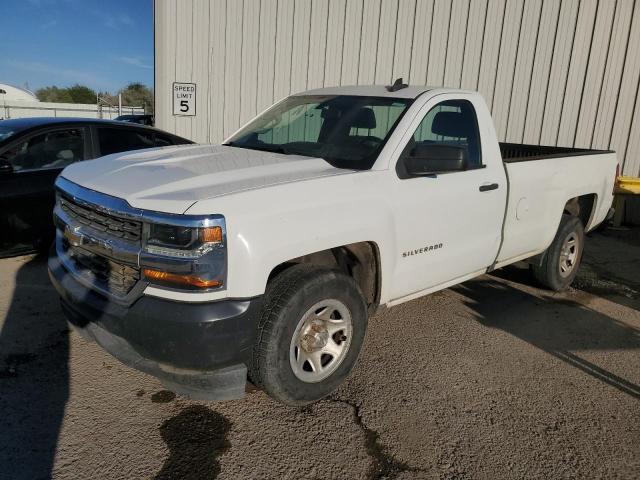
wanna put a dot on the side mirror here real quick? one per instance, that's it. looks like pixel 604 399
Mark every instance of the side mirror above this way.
pixel 5 167
pixel 432 159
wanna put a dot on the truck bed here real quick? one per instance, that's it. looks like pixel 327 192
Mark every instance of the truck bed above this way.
pixel 519 152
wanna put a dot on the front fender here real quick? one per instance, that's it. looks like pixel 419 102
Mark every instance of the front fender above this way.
pixel 266 228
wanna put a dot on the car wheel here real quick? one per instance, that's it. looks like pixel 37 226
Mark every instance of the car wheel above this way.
pixel 311 330
pixel 561 260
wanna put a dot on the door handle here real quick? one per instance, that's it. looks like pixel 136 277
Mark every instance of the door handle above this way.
pixel 485 187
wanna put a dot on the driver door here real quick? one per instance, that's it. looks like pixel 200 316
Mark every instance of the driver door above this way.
pixel 448 223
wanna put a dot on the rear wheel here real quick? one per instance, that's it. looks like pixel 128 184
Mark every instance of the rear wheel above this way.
pixel 311 330
pixel 562 259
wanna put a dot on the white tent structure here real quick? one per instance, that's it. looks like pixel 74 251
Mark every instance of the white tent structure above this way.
pixel 11 93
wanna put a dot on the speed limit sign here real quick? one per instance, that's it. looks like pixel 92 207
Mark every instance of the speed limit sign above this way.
pixel 184 99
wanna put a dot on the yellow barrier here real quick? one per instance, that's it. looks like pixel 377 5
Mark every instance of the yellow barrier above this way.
pixel 625 186
pixel 628 186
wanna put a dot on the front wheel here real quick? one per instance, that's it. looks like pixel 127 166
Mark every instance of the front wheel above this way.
pixel 312 327
pixel 561 260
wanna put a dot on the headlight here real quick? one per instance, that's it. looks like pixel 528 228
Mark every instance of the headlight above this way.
pixel 190 255
pixel 183 242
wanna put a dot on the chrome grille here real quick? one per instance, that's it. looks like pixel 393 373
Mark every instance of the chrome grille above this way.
pixel 115 226
pixel 108 275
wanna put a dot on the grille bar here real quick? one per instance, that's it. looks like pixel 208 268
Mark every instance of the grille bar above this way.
pixel 115 226
pixel 108 275
pixel 105 250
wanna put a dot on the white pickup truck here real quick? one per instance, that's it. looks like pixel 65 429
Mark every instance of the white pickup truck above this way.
pixel 263 257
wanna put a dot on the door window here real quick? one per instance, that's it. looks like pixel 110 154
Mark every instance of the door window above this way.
pixel 116 140
pixel 54 149
pixel 452 122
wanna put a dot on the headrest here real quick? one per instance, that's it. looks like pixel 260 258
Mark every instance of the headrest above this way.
pixel 65 155
pixel 365 118
pixel 449 124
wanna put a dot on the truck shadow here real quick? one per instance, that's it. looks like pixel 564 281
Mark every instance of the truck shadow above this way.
pixel 558 326
pixel 34 375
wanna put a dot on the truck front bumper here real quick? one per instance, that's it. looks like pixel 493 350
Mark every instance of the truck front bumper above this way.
pixel 200 350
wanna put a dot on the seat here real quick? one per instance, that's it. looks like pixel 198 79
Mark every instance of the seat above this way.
pixel 364 118
pixel 460 125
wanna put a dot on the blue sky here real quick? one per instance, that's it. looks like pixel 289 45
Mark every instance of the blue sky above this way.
pixel 104 44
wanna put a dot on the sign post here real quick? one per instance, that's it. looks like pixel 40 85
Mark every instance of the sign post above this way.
pixel 184 99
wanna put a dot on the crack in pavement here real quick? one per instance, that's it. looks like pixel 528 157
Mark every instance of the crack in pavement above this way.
pixel 384 465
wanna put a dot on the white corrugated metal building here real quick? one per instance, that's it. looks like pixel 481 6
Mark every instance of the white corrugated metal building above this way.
pixel 554 72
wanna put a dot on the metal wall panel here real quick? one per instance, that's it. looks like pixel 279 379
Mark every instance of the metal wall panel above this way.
pixel 600 42
pixel 525 57
pixel 456 42
pixel 335 42
pixel 369 41
pixel 184 63
pixel 266 54
pixel 473 44
pixel 403 42
pixel 421 42
pixel 249 60
pixel 562 72
pixel 200 64
pixel 608 99
pixel 544 51
pixel 577 71
pixel 563 44
pixel 513 18
pixel 217 54
pixel 437 55
pixel 317 43
pixel 491 48
pixel 628 99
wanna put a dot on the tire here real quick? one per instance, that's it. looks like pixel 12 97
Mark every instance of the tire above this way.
pixel 561 260
pixel 326 312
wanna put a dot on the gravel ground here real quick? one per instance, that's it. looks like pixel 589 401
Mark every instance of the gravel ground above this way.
pixel 491 379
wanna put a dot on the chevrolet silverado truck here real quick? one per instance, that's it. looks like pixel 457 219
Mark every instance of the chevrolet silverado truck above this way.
pixel 262 258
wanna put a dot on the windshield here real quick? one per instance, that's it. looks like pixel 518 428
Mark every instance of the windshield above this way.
pixel 346 131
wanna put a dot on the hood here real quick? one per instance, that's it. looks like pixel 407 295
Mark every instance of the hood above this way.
pixel 171 179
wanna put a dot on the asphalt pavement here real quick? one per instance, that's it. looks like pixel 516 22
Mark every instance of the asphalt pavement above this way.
pixel 495 378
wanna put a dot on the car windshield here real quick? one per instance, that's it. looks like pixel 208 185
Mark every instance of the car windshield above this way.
pixel 347 131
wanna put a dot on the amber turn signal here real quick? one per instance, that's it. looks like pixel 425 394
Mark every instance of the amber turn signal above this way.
pixel 177 279
pixel 211 235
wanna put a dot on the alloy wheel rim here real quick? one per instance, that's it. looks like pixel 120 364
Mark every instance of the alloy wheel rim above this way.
pixel 321 341
pixel 569 254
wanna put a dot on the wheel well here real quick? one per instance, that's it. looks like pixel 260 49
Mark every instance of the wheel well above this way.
pixel 581 207
pixel 361 261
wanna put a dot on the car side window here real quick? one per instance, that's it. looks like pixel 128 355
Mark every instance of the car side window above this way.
pixel 454 123
pixel 53 149
pixel 116 140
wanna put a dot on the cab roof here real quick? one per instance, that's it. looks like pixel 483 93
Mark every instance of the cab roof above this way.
pixel 370 91
pixel 409 91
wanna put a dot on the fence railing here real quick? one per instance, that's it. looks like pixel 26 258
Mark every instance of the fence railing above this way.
pixel 23 109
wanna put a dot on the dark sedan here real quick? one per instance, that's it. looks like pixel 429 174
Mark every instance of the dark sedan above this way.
pixel 141 119
pixel 33 151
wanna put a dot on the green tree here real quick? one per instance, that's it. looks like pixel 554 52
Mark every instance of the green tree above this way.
pixel 54 94
pixel 75 94
pixel 82 94
pixel 137 95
